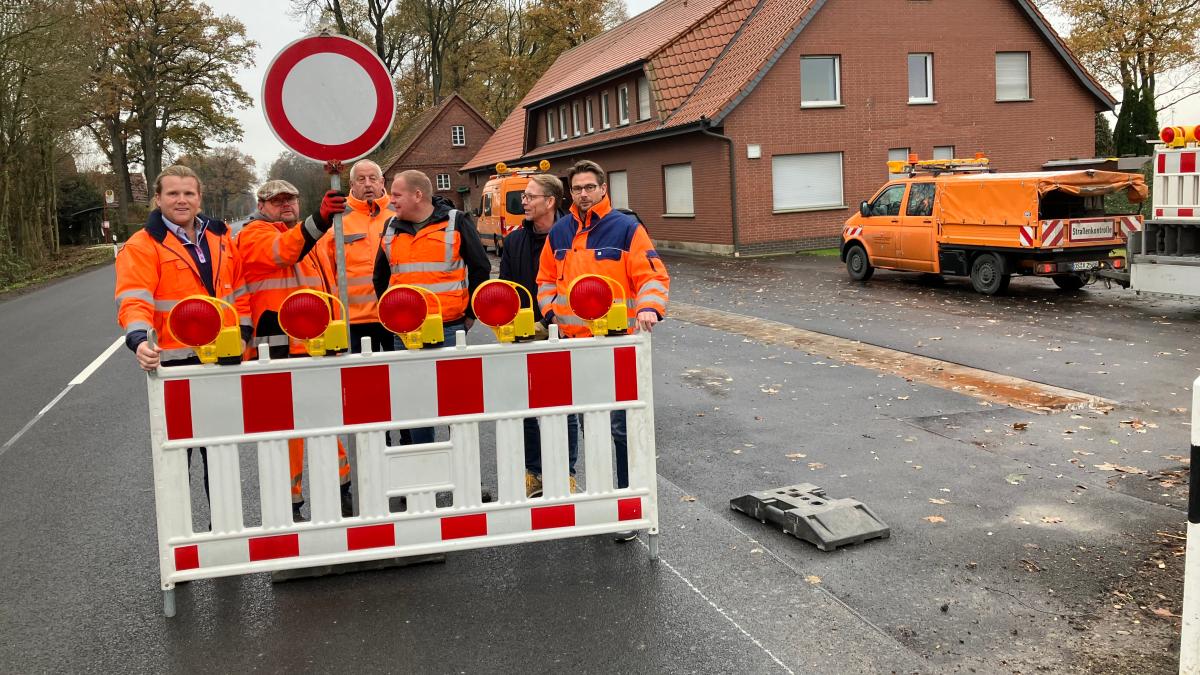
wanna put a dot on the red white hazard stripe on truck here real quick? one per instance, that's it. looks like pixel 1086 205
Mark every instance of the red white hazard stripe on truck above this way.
pixel 852 231
pixel 1177 162
pixel 1129 225
pixel 1053 232
pixel 1028 234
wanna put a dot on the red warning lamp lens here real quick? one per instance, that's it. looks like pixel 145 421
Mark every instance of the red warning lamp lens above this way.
pixel 590 298
pixel 402 310
pixel 1167 135
pixel 195 322
pixel 304 316
pixel 496 304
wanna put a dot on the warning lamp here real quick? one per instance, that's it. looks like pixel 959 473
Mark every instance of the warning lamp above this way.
pixel 544 165
pixel 1117 263
pixel 307 315
pixel 1173 136
pixel 404 310
pixel 198 321
pixel 912 158
pixel 501 167
pixel 591 299
pixel 497 305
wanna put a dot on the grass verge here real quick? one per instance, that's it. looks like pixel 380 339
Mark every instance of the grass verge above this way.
pixel 70 260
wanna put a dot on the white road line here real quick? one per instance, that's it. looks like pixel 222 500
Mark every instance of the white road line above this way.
pixel 78 379
pixel 721 612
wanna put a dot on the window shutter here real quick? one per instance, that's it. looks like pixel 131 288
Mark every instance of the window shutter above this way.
pixel 806 181
pixel 677 180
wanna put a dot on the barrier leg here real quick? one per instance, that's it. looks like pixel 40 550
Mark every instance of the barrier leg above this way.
pixel 555 468
pixel 1189 644
pixel 465 454
pixel 653 546
pixel 169 603
pixel 323 481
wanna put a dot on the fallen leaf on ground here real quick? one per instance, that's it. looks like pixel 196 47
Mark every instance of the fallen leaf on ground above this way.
pixel 687 498
pixel 1178 458
pixel 1109 466
pixel 901 398
pixel 939 501
pixel 813 466
pixel 1051 520
pixel 1134 423
pixel 1164 613
pixel 813 579
pixel 1085 453
pixel 1015 478
pixel 1020 426
pixel 796 455
pixel 934 519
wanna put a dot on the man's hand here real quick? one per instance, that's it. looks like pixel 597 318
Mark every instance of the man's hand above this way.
pixel 332 203
pixel 646 320
pixel 147 356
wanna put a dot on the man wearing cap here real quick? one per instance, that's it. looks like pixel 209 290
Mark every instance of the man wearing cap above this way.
pixel 279 257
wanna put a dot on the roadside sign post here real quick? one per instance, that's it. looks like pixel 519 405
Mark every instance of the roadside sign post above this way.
pixel 329 98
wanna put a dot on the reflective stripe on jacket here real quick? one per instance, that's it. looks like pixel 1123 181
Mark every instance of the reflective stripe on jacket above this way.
pixel 155 272
pixel 277 260
pixel 431 259
pixel 609 243
pixel 362 226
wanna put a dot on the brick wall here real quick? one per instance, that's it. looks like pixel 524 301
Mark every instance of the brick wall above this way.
pixel 433 153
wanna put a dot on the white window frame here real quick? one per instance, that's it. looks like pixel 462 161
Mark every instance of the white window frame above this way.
pixel 682 204
pixel 897 154
pixel 575 118
pixel 784 197
pixel 1009 56
pixel 562 122
pixel 605 116
pixel 550 115
pixel 588 116
pixel 618 189
pixel 458 136
pixel 836 101
pixel 623 104
pixel 927 59
pixel 942 149
pixel 443 184
pixel 643 92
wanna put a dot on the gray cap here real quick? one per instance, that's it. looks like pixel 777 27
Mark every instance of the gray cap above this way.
pixel 272 188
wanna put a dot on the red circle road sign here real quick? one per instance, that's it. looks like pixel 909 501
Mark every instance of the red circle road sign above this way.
pixel 328 97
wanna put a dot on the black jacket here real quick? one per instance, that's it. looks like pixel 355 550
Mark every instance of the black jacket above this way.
pixel 519 262
pixel 470 248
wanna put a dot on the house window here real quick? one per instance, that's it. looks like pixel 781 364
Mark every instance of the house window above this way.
pixel 643 86
pixel 897 155
pixel 562 122
pixel 1012 76
pixel 801 182
pixel 443 181
pixel 458 135
pixel 623 104
pixel 943 152
pixel 820 81
pixel 575 117
pixel 618 189
pixel 677 186
pixel 920 78
pixel 550 126
pixel 604 120
pixel 587 113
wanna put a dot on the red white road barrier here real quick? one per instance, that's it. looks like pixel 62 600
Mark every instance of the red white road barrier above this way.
pixel 264 403
pixel 1177 183
pixel 1189 646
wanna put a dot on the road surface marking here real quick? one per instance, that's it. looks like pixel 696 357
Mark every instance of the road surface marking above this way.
pixel 1019 393
pixel 78 379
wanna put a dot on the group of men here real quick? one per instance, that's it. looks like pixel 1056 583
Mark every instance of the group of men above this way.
pixel 412 236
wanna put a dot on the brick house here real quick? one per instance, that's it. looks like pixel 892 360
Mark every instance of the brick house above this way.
pixel 438 142
pixel 757 126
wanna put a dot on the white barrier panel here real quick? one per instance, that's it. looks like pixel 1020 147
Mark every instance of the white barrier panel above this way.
pixel 265 403
pixel 1189 645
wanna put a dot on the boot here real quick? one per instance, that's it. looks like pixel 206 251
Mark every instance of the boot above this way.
pixel 347 501
pixel 298 517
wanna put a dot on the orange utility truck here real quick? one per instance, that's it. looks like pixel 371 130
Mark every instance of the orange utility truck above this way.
pixel 501 210
pixel 958 217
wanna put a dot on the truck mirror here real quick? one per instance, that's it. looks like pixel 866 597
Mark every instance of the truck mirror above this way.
pixel 862 209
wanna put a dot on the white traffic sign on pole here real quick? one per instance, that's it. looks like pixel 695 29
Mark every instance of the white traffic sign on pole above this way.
pixel 329 98
pixel 109 197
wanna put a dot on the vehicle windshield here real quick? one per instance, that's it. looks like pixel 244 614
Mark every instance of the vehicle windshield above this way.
pixel 512 202
pixel 888 202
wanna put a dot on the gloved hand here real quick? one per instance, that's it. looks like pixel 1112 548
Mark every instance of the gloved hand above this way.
pixel 334 202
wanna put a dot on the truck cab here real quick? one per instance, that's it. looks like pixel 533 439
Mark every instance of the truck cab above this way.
pixel 500 208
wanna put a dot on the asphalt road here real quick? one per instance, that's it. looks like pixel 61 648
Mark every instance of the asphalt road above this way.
pixel 1040 559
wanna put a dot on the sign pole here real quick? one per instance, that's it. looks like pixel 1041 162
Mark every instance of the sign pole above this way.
pixel 339 248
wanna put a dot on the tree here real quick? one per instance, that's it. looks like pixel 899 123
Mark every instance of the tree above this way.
pixel 373 23
pixel 1104 136
pixel 228 177
pixel 308 176
pixel 1131 43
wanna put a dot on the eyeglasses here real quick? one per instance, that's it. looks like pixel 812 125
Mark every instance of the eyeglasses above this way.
pixel 527 196
pixel 580 189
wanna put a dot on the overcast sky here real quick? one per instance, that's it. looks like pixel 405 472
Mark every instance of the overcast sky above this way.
pixel 268 23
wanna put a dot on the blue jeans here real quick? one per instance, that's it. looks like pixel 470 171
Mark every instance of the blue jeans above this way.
pixel 533 443
pixel 425 434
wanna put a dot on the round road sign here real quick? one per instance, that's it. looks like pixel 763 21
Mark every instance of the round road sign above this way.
pixel 328 97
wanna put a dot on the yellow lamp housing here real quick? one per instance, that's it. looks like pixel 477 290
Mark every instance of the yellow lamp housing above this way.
pixel 613 322
pixel 496 317
pixel 333 335
pixel 227 344
pixel 428 332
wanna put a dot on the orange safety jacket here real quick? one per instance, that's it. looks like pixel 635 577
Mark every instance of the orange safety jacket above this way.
pixel 155 272
pixel 277 260
pixel 362 227
pixel 430 259
pixel 608 243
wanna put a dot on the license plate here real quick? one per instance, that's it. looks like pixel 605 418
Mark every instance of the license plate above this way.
pixel 1080 266
pixel 1090 231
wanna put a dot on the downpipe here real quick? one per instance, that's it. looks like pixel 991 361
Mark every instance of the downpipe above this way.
pixel 706 129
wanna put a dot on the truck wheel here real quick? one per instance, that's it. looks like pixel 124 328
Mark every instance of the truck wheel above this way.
pixel 858 264
pixel 988 275
pixel 1068 282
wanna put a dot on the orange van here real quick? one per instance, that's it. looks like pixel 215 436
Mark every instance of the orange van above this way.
pixel 956 217
pixel 500 208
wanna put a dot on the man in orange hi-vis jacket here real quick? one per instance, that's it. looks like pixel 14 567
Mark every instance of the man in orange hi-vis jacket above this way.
pixel 278 258
pixel 177 254
pixel 595 238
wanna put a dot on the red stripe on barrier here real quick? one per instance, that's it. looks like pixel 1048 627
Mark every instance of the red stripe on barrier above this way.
pixel 1187 162
pixel 371 536
pixel 1185 213
pixel 177 399
pixel 187 558
pixel 267 402
pixel 1162 163
pixel 460 387
pixel 629 509
pixel 278 546
pixel 549 379
pixel 461 527
pixel 549 517
pixel 625 370
pixel 1158 212
pixel 366 395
